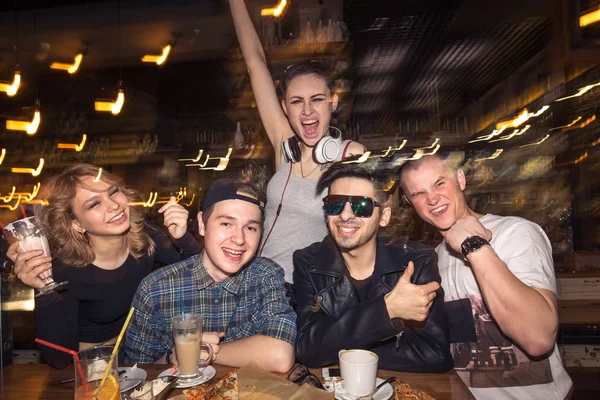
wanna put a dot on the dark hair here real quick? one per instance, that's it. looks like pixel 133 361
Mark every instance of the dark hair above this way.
pixel 248 188
pixel 383 180
pixel 306 67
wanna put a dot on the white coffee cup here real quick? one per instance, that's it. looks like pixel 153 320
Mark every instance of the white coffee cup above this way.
pixel 359 371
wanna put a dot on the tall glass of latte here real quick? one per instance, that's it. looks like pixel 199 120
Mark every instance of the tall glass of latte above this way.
pixel 187 334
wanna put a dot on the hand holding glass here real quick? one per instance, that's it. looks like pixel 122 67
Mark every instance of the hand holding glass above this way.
pixel 29 233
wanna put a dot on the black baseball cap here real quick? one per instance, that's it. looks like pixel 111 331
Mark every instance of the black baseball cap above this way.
pixel 227 189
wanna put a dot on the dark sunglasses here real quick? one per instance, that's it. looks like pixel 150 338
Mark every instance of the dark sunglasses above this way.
pixel 362 206
pixel 301 375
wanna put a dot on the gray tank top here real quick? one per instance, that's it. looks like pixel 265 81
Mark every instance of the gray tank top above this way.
pixel 301 221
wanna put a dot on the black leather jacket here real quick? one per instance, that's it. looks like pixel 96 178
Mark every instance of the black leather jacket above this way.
pixel 330 317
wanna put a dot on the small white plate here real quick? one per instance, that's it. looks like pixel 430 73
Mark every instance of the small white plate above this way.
pixel 208 373
pixel 383 394
pixel 133 377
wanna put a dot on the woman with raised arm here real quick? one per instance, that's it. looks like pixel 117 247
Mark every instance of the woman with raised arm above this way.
pixel 298 129
pixel 103 247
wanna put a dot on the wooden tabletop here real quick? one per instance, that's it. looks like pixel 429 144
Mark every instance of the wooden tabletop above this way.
pixel 39 381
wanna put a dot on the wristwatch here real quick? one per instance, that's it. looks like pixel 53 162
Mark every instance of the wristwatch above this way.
pixel 169 356
pixel 471 244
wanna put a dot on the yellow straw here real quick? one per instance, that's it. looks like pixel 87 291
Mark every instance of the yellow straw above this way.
pixel 116 348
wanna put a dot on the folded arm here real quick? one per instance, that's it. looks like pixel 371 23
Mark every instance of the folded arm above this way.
pixel 271 354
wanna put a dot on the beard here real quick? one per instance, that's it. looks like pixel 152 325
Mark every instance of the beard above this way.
pixel 355 242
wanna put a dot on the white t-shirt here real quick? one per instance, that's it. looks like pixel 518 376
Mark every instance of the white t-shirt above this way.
pixel 492 367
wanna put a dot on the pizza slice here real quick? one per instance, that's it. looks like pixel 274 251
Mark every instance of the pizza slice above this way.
pixel 404 391
pixel 225 388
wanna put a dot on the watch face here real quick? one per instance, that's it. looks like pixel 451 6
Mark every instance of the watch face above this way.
pixel 471 244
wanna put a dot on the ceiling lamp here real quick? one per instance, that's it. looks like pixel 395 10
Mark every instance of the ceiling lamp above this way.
pixel 30 127
pixel 33 172
pixel 12 88
pixel 159 59
pixel 275 11
pixel 104 105
pixel 76 147
pixel 70 68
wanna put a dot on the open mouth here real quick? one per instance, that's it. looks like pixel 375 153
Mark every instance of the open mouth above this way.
pixel 310 128
pixel 347 230
pixel 440 209
pixel 231 254
pixel 119 218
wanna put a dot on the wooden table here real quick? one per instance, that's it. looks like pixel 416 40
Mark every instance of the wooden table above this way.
pixel 39 381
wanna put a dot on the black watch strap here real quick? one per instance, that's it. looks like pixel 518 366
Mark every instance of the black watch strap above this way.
pixel 471 244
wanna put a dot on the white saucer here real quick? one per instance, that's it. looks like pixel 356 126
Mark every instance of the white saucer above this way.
pixel 134 377
pixel 205 376
pixel 383 394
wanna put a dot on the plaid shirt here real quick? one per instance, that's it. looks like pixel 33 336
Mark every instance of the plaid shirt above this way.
pixel 252 302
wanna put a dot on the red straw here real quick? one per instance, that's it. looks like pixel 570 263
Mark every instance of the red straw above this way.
pixel 71 352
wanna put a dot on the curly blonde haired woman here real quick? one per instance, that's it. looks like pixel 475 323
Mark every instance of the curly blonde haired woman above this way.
pixel 104 248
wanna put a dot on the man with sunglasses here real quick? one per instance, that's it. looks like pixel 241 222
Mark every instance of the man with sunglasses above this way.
pixel 353 290
pixel 503 265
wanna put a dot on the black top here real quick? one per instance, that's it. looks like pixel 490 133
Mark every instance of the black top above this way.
pixel 361 287
pixel 94 305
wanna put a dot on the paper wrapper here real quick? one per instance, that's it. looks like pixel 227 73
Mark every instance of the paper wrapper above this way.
pixel 257 384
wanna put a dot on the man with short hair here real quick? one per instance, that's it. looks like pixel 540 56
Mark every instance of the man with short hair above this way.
pixel 240 296
pixel 352 290
pixel 504 266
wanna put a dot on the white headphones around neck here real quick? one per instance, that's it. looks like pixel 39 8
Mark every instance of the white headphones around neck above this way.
pixel 328 149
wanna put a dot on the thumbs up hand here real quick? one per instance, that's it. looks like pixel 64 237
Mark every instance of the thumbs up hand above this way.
pixel 408 301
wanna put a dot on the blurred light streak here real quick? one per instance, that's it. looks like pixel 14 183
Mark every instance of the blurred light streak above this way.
pixel 515 122
pixel 274 11
pixel 2 155
pixel 493 156
pixel 198 157
pixel 13 207
pixel 435 142
pixel 191 201
pixel 41 202
pixel 10 197
pixel 589 18
pixel 29 127
pixel 31 196
pixel 494 133
pixel 361 159
pixel 576 161
pixel 13 88
pixel 76 147
pixel 223 161
pixel 587 121
pixel 593 144
pixel 536 143
pixel 581 91
pixel 33 172
pixel 541 111
pixel 110 106
pixel 158 59
pixel 70 68
pixel 576 120
pixel 97 178
pixel 517 132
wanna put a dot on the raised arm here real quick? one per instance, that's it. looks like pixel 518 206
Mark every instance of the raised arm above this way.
pixel 274 120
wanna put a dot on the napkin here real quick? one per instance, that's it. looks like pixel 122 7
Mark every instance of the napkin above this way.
pixel 258 384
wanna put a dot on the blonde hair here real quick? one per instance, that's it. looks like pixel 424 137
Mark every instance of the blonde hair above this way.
pixel 73 248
